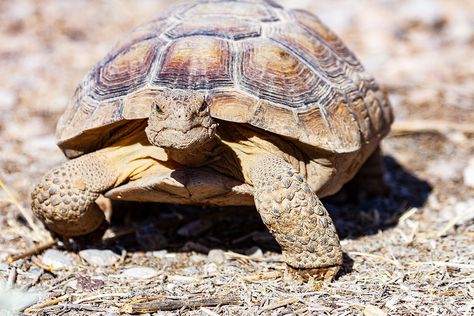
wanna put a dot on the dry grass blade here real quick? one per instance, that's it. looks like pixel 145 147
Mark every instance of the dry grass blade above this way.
pixel 280 303
pixel 167 304
pixel 32 251
pixel 263 276
pixel 94 297
pixel 43 266
pixel 40 306
pixel 13 200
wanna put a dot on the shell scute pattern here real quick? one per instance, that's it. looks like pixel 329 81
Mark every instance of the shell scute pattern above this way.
pixel 275 75
pixel 315 27
pixel 281 71
pixel 196 63
pixel 243 10
pixel 126 71
pixel 225 27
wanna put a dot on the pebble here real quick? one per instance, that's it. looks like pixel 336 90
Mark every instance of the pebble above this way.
pixel 159 253
pixel 139 273
pixel 216 256
pixel 194 228
pixel 101 258
pixel 196 258
pixel 190 271
pixel 468 174
pixel 211 268
pixel 56 259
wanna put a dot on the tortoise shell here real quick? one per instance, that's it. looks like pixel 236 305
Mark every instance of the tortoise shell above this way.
pixel 281 71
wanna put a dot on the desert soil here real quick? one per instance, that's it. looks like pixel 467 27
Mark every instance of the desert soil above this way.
pixel 409 253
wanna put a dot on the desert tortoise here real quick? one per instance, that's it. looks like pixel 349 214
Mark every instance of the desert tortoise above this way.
pixel 221 103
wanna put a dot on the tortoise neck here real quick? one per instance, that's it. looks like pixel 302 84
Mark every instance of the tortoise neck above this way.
pixel 194 156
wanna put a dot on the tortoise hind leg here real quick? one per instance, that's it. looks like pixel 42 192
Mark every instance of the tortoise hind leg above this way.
pixel 65 198
pixel 296 218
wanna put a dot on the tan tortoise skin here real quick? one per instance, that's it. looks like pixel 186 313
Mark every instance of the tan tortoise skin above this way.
pixel 281 71
pixel 290 114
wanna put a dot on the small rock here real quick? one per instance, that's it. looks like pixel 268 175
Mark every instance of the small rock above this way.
pixel 56 259
pixel 196 258
pixel 216 256
pixel 211 268
pixel 139 273
pixel 190 271
pixel 101 258
pixel 194 228
pixel 468 174
pixel 149 237
pixel 159 253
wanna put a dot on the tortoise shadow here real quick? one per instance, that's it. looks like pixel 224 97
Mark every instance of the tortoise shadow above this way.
pixel 180 228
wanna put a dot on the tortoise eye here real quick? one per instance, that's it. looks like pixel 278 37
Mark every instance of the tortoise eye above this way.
pixel 158 109
pixel 203 106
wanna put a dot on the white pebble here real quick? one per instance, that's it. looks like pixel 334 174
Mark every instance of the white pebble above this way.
pixel 96 257
pixel 56 259
pixel 139 273
pixel 216 256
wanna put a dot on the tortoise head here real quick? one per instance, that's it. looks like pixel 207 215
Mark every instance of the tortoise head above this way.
pixel 180 119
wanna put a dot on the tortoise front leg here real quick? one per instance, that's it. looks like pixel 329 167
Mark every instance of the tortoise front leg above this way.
pixel 65 198
pixel 296 218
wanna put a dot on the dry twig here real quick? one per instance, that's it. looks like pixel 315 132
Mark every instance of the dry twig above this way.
pixel 167 304
pixel 40 306
pixel 32 251
pixel 279 303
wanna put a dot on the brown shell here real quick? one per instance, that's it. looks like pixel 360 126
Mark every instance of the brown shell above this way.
pixel 281 71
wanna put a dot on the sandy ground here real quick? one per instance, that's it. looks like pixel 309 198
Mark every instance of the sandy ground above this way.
pixel 411 253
